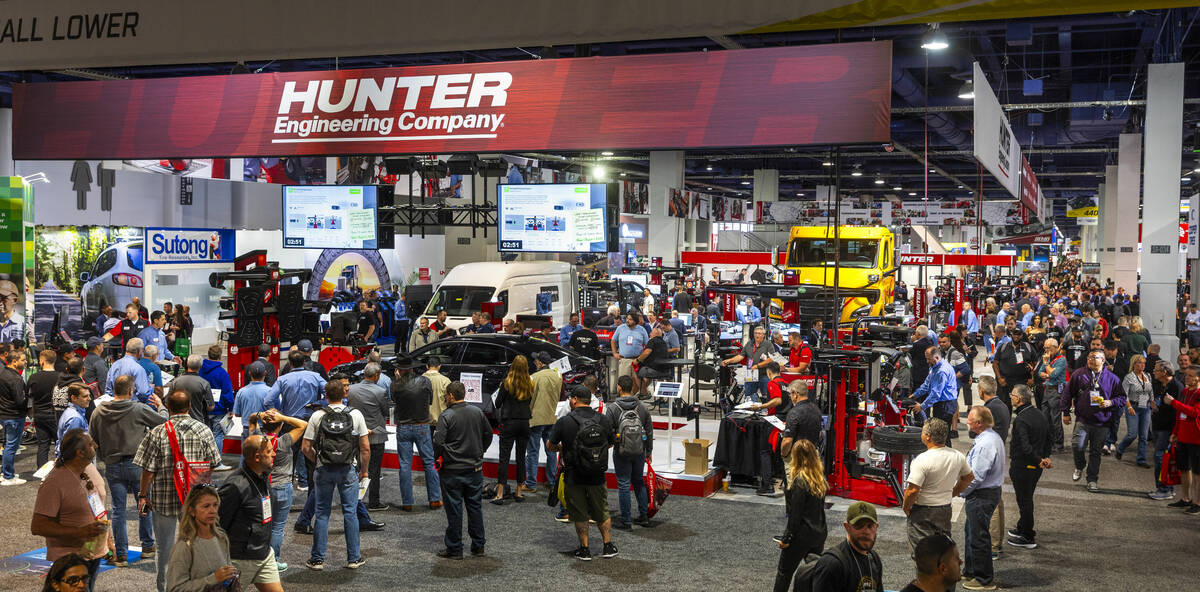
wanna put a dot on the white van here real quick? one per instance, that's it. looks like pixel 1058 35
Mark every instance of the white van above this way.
pixel 516 285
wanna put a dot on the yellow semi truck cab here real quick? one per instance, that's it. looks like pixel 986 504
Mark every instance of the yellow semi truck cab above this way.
pixel 868 260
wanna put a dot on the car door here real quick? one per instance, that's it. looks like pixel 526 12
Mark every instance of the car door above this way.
pixel 448 350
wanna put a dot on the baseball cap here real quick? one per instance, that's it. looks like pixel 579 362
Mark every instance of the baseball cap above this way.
pixel 543 357
pixel 305 345
pixel 859 511
pixel 94 341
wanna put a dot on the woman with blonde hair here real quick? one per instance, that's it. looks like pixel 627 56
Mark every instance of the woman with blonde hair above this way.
pixel 805 497
pixel 1136 339
pixel 200 558
pixel 1139 391
pixel 513 412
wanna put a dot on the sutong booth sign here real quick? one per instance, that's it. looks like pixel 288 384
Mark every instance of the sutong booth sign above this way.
pixel 831 94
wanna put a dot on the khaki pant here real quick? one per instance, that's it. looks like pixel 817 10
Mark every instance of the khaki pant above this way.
pixel 616 369
pixel 997 526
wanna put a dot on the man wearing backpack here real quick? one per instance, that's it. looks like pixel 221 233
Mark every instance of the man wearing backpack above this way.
pixel 852 565
pixel 634 436
pixel 584 437
pixel 335 435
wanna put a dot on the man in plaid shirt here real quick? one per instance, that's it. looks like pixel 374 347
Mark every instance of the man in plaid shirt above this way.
pixel 155 457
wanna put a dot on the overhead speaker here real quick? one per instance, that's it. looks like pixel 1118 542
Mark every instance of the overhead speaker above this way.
pixel 417 297
pixel 290 303
pixel 463 164
pixel 400 166
pixel 385 236
pixel 435 170
pixel 496 168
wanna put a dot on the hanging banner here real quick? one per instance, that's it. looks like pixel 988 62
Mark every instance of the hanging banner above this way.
pixel 862 211
pixel 1084 210
pixel 16 261
pixel 1193 229
pixel 1029 188
pixel 996 147
pixel 813 94
pixel 190 245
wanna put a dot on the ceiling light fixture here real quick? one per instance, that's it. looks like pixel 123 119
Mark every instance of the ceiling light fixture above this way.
pixel 708 168
pixel 606 153
pixel 967 91
pixel 745 182
pixel 878 180
pixel 934 39
pixel 912 193
pixel 897 188
pixel 857 172
pixel 827 163
pixel 599 172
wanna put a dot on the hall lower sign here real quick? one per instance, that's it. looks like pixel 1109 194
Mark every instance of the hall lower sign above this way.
pixel 788 96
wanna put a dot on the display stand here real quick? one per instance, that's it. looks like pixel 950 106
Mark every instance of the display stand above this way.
pixel 669 391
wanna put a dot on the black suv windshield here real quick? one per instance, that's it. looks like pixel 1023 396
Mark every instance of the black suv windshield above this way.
pixel 819 252
pixel 459 301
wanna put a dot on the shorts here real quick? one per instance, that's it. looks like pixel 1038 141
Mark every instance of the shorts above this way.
pixel 625 367
pixel 1187 457
pixel 587 501
pixel 652 374
pixel 257 571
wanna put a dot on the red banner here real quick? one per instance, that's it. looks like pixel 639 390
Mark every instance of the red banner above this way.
pixel 1029 188
pixel 815 94
pixel 956 259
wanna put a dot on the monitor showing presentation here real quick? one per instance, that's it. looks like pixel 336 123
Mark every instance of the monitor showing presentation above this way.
pixel 556 218
pixel 329 217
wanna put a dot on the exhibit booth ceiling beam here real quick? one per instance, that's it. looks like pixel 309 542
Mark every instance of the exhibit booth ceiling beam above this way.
pixel 111 33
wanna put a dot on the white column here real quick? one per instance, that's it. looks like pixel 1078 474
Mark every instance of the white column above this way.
pixel 7 167
pixel 1108 224
pixel 172 211
pixel 666 172
pixel 1160 215
pixel 1129 197
pixel 237 167
pixel 331 170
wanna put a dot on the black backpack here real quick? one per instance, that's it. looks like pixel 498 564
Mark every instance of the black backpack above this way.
pixel 803 581
pixel 336 443
pixel 591 446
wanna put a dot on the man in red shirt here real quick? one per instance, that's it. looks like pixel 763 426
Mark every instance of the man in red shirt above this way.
pixel 799 357
pixel 778 403
pixel 1186 437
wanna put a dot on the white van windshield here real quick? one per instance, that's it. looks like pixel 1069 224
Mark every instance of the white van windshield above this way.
pixel 459 301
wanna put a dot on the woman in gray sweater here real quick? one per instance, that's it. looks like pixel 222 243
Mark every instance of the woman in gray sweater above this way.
pixel 200 557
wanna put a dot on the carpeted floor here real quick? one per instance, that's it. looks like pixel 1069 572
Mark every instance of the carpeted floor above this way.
pixel 1115 540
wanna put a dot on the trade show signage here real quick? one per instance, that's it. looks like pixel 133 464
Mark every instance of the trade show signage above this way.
pixel 996 147
pixel 190 245
pixel 956 259
pixel 815 94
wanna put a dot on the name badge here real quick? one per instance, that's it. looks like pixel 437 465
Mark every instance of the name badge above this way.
pixel 266 509
pixel 629 340
pixel 97 505
pixel 1020 358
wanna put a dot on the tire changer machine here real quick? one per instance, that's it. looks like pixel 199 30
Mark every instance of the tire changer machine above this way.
pixel 856 383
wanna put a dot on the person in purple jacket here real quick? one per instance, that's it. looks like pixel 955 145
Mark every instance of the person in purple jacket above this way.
pixel 1099 399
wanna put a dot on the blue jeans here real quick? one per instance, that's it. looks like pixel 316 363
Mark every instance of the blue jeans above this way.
pixel 1162 441
pixel 281 505
pixel 12 439
pixel 459 489
pixel 977 560
pixel 406 436
pixel 754 387
pixel 1136 426
pixel 538 436
pixel 124 478
pixel 310 509
pixel 164 533
pixel 218 434
pixel 629 473
pixel 345 481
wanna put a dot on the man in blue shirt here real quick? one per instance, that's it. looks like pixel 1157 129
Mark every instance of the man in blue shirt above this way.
pixel 249 399
pixel 628 342
pixel 102 319
pixel 299 387
pixel 940 389
pixel 564 333
pixel 1026 316
pixel 400 323
pixel 154 335
pixel 129 366
pixel 987 463
pixel 1005 310
pixel 751 314
pixel 75 416
pixel 218 379
pixel 153 372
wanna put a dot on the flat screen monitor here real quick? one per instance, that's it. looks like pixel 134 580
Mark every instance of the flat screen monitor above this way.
pixel 553 218
pixel 686 317
pixel 329 217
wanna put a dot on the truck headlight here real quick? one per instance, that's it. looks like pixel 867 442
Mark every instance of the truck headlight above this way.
pixel 861 311
pixel 873 278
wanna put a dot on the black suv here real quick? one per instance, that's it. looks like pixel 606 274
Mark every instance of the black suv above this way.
pixel 489 354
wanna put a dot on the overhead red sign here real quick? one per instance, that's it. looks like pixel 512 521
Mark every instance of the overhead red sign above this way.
pixel 815 94
pixel 1029 187
pixel 728 258
pixel 956 259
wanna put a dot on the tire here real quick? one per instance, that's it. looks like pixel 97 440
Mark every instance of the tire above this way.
pixel 893 440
